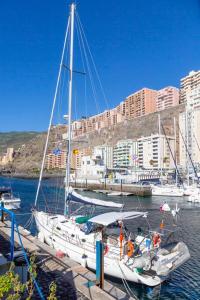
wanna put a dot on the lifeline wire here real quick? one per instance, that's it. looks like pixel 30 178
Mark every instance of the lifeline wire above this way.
pixel 52 113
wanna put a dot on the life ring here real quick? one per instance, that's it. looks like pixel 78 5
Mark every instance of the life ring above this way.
pixel 105 250
pixel 156 239
pixel 130 248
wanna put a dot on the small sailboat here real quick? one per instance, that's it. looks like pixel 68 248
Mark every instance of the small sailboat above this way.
pixel 8 200
pixel 137 257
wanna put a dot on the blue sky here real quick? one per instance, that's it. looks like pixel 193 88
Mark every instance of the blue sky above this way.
pixel 135 44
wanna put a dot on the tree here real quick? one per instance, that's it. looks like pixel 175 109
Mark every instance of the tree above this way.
pixel 12 289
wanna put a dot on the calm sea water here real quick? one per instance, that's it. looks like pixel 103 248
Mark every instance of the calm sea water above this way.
pixel 183 283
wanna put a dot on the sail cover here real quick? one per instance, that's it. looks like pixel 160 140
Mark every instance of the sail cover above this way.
pixel 112 217
pixel 75 197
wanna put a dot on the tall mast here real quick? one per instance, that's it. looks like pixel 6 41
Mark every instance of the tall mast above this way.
pixel 159 139
pixel 187 143
pixel 70 102
pixel 175 158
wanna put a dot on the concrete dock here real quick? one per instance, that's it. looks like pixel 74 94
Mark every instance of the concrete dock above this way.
pixel 71 278
pixel 137 190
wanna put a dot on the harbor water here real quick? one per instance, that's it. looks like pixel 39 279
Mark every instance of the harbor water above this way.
pixel 183 283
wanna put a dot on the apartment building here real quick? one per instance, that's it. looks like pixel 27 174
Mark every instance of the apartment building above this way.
pixel 189 83
pixel 56 160
pixel 125 154
pixel 167 97
pixel 140 103
pixel 154 152
pixel 189 123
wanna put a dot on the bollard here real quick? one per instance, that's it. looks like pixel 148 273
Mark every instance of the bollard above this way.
pixel 12 241
pixel 99 264
pixel 121 186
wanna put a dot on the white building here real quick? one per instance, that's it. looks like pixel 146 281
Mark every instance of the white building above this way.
pixel 90 169
pixel 188 84
pixel 105 153
pixel 125 154
pixel 154 152
pixel 189 123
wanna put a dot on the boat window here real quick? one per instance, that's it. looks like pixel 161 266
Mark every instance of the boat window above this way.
pixel 65 221
pixel 83 240
pixel 6 196
pixel 52 218
pixel 58 228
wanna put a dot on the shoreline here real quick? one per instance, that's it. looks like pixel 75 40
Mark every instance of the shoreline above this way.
pixel 31 176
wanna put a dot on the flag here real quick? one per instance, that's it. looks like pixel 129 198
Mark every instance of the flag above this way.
pixel 135 157
pixel 57 151
pixel 75 151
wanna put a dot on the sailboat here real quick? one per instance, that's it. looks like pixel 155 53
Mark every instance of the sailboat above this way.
pixel 193 190
pixel 169 190
pixel 136 257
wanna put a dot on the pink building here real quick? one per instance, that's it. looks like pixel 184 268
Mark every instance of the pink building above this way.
pixel 167 97
pixel 140 103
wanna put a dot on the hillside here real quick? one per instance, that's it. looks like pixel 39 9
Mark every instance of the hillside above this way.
pixel 15 139
pixel 29 148
pixel 28 158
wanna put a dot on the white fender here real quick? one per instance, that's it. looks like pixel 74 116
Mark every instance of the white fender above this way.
pixel 41 237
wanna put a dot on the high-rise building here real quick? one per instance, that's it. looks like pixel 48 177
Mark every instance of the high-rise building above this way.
pixel 125 154
pixel 140 103
pixel 167 97
pixel 189 123
pixel 189 83
pixel 154 152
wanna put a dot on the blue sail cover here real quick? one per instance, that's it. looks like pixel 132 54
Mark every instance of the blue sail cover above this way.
pixel 75 197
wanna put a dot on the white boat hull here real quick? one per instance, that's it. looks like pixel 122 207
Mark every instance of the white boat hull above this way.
pixel 85 254
pixel 12 204
pixel 167 191
pixel 194 198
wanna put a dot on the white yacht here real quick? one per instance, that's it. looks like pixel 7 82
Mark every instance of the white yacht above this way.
pixel 167 190
pixel 137 257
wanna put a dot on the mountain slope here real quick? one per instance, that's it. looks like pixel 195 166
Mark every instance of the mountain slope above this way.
pixel 15 139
